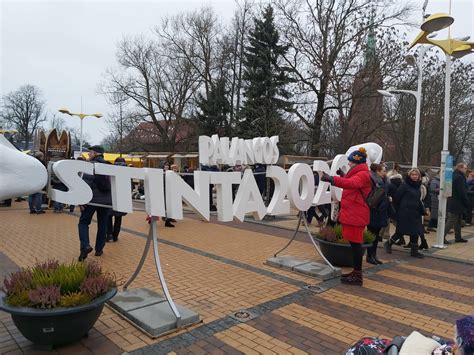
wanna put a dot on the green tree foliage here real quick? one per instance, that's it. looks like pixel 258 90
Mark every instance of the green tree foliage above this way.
pixel 265 95
pixel 214 110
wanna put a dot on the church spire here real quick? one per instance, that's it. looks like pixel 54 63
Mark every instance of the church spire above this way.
pixel 370 45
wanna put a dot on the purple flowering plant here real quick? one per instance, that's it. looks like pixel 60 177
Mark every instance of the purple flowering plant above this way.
pixel 51 284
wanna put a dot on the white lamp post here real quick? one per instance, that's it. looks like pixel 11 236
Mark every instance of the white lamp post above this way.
pixel 81 116
pixel 417 94
pixel 451 47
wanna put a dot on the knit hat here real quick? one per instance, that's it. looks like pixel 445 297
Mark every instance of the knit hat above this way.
pixel 97 148
pixel 358 156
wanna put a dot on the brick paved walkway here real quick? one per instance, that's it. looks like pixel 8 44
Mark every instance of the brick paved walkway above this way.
pixel 216 269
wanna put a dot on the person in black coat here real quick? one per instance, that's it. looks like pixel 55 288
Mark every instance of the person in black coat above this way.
pixel 458 204
pixel 100 185
pixel 393 185
pixel 114 219
pixel 409 210
pixel 379 215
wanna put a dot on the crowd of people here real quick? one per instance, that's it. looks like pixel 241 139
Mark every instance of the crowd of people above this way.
pixel 404 201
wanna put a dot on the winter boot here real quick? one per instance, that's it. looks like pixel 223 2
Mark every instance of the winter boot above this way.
pixel 354 279
pixel 414 247
pixel 401 241
pixel 424 244
pixel 370 256
pixel 347 274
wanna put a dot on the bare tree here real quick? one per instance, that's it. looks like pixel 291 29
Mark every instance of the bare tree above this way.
pixel 159 84
pixel 327 39
pixel 23 109
pixel 400 113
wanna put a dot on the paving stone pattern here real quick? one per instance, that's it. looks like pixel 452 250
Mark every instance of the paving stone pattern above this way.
pixel 218 269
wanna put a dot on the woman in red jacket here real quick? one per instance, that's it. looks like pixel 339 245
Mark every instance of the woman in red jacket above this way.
pixel 354 214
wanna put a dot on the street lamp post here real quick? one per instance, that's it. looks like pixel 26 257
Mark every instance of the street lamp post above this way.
pixel 417 95
pixel 81 116
pixel 419 66
pixel 451 47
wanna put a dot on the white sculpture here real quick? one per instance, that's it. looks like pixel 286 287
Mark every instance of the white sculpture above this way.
pixel 20 174
pixel 374 152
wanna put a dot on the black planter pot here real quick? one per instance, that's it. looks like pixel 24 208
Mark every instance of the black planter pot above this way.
pixel 56 326
pixel 338 254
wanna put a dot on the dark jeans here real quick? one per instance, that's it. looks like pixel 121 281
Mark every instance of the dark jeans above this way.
pixel 34 201
pixel 454 220
pixel 113 227
pixel 58 206
pixel 85 220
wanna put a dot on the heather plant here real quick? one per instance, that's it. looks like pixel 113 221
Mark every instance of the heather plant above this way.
pixel 334 235
pixel 45 297
pixel 95 286
pixel 52 284
pixel 75 299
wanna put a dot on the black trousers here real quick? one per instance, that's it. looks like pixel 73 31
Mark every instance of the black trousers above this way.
pixel 357 255
pixel 113 227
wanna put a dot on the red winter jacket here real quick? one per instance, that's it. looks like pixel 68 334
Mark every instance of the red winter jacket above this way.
pixel 354 210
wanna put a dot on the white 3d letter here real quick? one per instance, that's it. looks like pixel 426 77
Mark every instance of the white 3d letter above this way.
pixel 68 172
pixel 323 193
pixel 206 150
pixel 120 181
pixel 278 205
pixel 248 198
pixel 154 192
pixel 177 190
pixel 223 182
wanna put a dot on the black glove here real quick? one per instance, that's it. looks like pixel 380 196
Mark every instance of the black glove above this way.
pixel 340 172
pixel 327 178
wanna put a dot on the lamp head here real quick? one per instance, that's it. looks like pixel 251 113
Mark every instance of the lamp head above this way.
pixel 437 22
pixel 385 93
pixel 65 111
pixel 410 59
pixel 462 51
pixel 98 115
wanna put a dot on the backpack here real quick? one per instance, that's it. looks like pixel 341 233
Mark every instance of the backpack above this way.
pixel 375 196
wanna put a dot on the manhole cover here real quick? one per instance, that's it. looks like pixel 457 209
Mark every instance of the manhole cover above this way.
pixel 243 315
pixel 315 288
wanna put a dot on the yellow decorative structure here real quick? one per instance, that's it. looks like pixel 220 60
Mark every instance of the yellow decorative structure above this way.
pixel 3 131
pixel 437 22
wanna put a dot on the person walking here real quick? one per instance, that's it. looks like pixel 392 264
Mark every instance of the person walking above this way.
pixel 100 186
pixel 395 181
pixel 409 210
pixel 36 200
pixel 354 214
pixel 379 215
pixel 114 218
pixel 168 221
pixel 434 192
pixel 458 204
pixel 470 197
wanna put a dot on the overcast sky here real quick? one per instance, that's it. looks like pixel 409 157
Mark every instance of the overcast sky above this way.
pixel 64 47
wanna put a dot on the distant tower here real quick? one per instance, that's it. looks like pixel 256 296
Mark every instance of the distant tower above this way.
pixel 366 112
